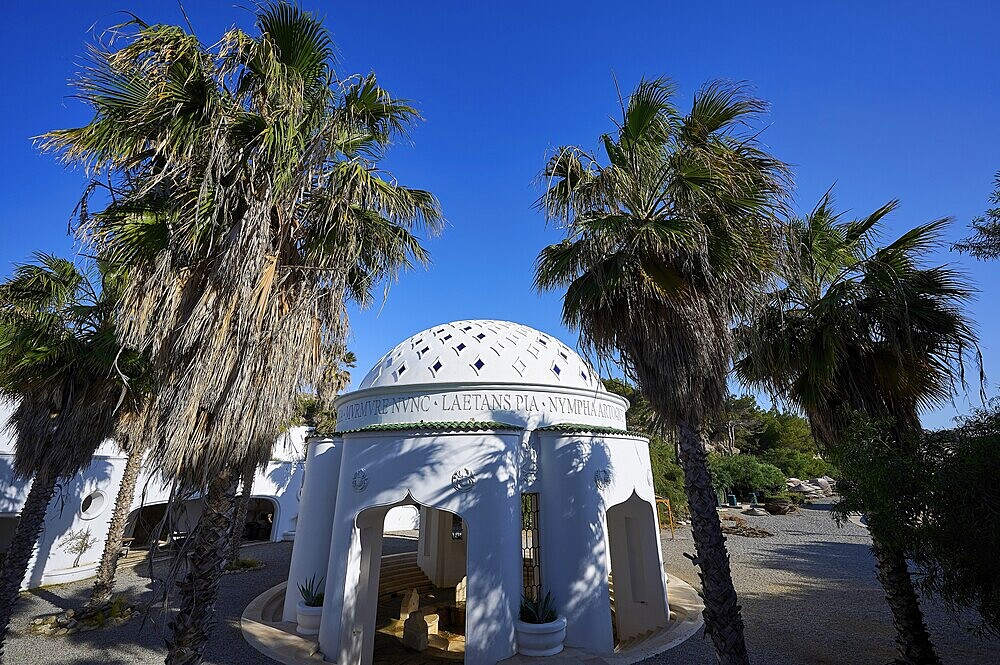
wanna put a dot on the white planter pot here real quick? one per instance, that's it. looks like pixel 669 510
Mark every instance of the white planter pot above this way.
pixel 540 639
pixel 307 618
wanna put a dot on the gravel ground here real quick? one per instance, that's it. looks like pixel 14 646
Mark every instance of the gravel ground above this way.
pixel 809 597
pixel 137 643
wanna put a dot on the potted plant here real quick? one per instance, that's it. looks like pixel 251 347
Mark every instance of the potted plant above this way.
pixel 778 504
pixel 309 610
pixel 540 631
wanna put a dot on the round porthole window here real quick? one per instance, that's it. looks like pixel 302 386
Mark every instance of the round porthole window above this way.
pixel 93 505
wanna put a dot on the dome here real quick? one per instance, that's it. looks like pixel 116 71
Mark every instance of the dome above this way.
pixel 483 352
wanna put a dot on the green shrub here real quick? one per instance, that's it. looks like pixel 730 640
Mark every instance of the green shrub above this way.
pixel 668 477
pixel 797 464
pixel 118 607
pixel 312 592
pixel 743 474
pixel 243 563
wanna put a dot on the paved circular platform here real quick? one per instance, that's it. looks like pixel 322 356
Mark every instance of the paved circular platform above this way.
pixel 264 630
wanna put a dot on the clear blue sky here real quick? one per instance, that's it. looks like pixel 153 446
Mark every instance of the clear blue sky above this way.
pixel 887 99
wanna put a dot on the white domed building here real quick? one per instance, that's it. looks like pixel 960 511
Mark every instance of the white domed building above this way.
pixel 526 482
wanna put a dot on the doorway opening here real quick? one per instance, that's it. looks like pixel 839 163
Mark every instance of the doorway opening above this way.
pixel 419 584
pixel 153 526
pixel 635 581
pixel 8 526
pixel 260 519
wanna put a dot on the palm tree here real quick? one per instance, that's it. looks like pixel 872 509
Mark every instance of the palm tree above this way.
pixel 104 583
pixel 668 239
pixel 61 362
pixel 861 328
pixel 240 514
pixel 249 206
pixel 319 407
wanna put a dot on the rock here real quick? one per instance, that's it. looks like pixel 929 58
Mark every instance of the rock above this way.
pixel 70 613
pixel 72 623
pixel 778 507
pixel 50 620
pixel 61 631
pixel 415 632
pixel 409 604
pixel 461 590
pixel 756 512
pixel 38 622
pixel 432 621
pixel 71 631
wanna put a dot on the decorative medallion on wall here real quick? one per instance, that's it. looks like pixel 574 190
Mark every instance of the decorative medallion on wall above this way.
pixel 602 478
pixel 463 480
pixel 360 480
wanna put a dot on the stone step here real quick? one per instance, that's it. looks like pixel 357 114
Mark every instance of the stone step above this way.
pixel 636 640
pixel 399 574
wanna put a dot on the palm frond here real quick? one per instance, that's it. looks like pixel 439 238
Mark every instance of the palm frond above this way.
pixel 864 328
pixel 247 206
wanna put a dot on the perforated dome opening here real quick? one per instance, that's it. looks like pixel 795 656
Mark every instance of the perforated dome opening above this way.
pixel 482 351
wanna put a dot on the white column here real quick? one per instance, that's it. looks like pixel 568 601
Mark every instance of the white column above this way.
pixel 572 537
pixel 495 582
pixel 343 570
pixel 311 551
pixel 370 524
pixel 440 557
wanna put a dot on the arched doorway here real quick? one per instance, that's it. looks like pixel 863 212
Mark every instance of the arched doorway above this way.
pixel 262 515
pixel 638 594
pixel 414 603
pixel 161 524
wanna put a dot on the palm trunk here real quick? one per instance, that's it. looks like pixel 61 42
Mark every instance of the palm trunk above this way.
pixel 913 642
pixel 723 621
pixel 199 590
pixel 15 565
pixel 104 585
pixel 240 514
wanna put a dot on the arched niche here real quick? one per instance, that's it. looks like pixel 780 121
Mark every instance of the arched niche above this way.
pixel 638 588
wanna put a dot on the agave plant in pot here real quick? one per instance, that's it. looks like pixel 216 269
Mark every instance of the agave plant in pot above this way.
pixel 309 610
pixel 540 631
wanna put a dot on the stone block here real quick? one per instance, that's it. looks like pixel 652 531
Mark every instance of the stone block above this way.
pixel 409 604
pixel 415 632
pixel 460 590
pixel 432 621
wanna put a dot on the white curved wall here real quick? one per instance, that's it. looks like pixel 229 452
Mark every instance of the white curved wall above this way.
pixel 53 562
